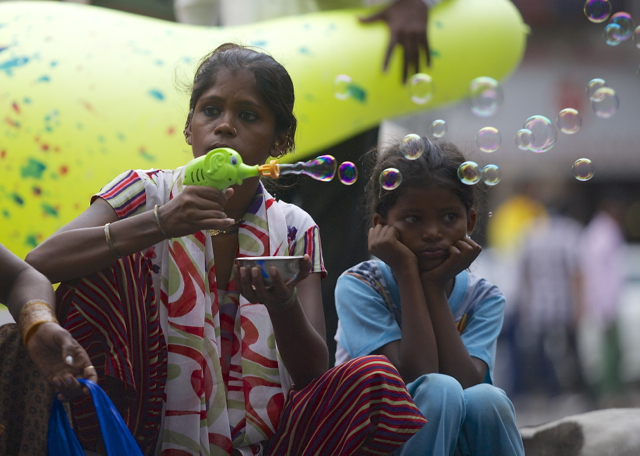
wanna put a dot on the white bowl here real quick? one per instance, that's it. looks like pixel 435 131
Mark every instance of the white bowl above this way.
pixel 288 266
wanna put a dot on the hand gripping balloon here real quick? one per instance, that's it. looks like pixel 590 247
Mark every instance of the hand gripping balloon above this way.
pixel 220 168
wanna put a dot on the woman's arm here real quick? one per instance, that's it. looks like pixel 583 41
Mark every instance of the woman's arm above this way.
pixel 80 247
pixel 57 355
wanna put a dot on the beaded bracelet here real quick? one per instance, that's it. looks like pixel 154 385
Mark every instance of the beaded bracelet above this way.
pixel 157 216
pixel 291 300
pixel 32 315
pixel 107 236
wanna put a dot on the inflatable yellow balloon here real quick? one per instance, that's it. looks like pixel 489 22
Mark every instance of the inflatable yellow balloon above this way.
pixel 87 92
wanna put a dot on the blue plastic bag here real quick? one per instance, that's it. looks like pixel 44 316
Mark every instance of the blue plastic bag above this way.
pixel 118 440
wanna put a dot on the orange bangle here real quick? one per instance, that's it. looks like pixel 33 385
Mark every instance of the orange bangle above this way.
pixel 32 315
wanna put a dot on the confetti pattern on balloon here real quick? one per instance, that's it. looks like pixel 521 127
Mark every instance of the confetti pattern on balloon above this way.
pixel 348 173
pixel 491 175
pixel 605 102
pixel 488 139
pixel 569 121
pixel 625 22
pixel 469 173
pixel 341 85
pixel 421 88
pixel 484 96
pixel 594 85
pixel 438 128
pixel 597 11
pixel 390 179
pixel 583 169
pixel 611 34
pixel 412 146
pixel 544 133
pixel 524 139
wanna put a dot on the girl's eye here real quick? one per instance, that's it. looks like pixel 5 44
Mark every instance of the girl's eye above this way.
pixel 210 111
pixel 411 219
pixel 248 116
pixel 451 217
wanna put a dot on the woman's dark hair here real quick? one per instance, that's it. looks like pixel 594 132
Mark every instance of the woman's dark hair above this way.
pixel 274 83
pixel 438 165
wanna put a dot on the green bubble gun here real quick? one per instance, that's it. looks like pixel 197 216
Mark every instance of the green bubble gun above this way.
pixel 223 167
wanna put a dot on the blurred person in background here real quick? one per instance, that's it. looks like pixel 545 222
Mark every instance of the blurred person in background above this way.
pixel 602 263
pixel 547 306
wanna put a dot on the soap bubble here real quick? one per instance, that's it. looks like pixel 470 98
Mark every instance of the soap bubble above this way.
pixel 594 85
pixel 636 36
pixel 605 102
pixel 469 173
pixel 484 96
pixel 583 169
pixel 624 21
pixel 569 121
pixel 597 10
pixel 341 86
pixel 491 175
pixel 611 34
pixel 438 128
pixel 348 173
pixel 544 133
pixel 390 179
pixel 488 139
pixel 412 146
pixel 524 139
pixel 421 88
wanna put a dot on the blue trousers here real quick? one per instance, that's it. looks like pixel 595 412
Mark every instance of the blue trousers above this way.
pixel 478 421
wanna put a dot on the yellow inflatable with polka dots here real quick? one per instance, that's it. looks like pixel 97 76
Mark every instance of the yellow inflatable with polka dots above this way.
pixel 87 92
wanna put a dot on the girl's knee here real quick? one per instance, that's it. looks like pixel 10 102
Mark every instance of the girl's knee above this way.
pixel 484 400
pixel 437 389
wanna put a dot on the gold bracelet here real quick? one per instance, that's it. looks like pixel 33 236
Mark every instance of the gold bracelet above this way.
pixel 32 315
pixel 157 216
pixel 291 300
pixel 107 236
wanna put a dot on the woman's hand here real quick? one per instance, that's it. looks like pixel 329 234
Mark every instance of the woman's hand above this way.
pixel 384 243
pixel 252 286
pixel 61 359
pixel 461 255
pixel 195 208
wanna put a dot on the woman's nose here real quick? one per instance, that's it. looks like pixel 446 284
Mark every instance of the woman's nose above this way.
pixel 225 127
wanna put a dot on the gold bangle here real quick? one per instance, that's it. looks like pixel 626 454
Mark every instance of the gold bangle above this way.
pixel 32 315
pixel 157 216
pixel 107 236
pixel 291 300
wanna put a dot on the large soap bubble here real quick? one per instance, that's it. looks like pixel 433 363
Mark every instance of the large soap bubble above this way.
pixel 412 146
pixel 348 173
pixel 569 121
pixel 524 139
pixel 484 96
pixel 594 85
pixel 491 175
pixel 624 21
pixel 605 102
pixel 390 179
pixel 438 128
pixel 583 169
pixel 611 34
pixel 488 139
pixel 544 133
pixel 597 10
pixel 469 173
pixel 421 88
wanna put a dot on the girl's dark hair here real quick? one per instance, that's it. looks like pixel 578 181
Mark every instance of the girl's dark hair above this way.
pixel 274 83
pixel 438 165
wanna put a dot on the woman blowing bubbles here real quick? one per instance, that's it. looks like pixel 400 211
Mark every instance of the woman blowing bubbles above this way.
pixel 233 346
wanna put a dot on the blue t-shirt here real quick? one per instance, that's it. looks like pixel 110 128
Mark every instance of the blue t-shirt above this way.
pixel 369 312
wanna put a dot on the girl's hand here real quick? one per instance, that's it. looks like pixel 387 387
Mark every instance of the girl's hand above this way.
pixel 461 255
pixel 252 287
pixel 384 243
pixel 61 359
pixel 195 208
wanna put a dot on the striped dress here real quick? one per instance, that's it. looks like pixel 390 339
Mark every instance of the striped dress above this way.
pixel 198 367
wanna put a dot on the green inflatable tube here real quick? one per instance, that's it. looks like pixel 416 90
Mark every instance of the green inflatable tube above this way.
pixel 87 92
